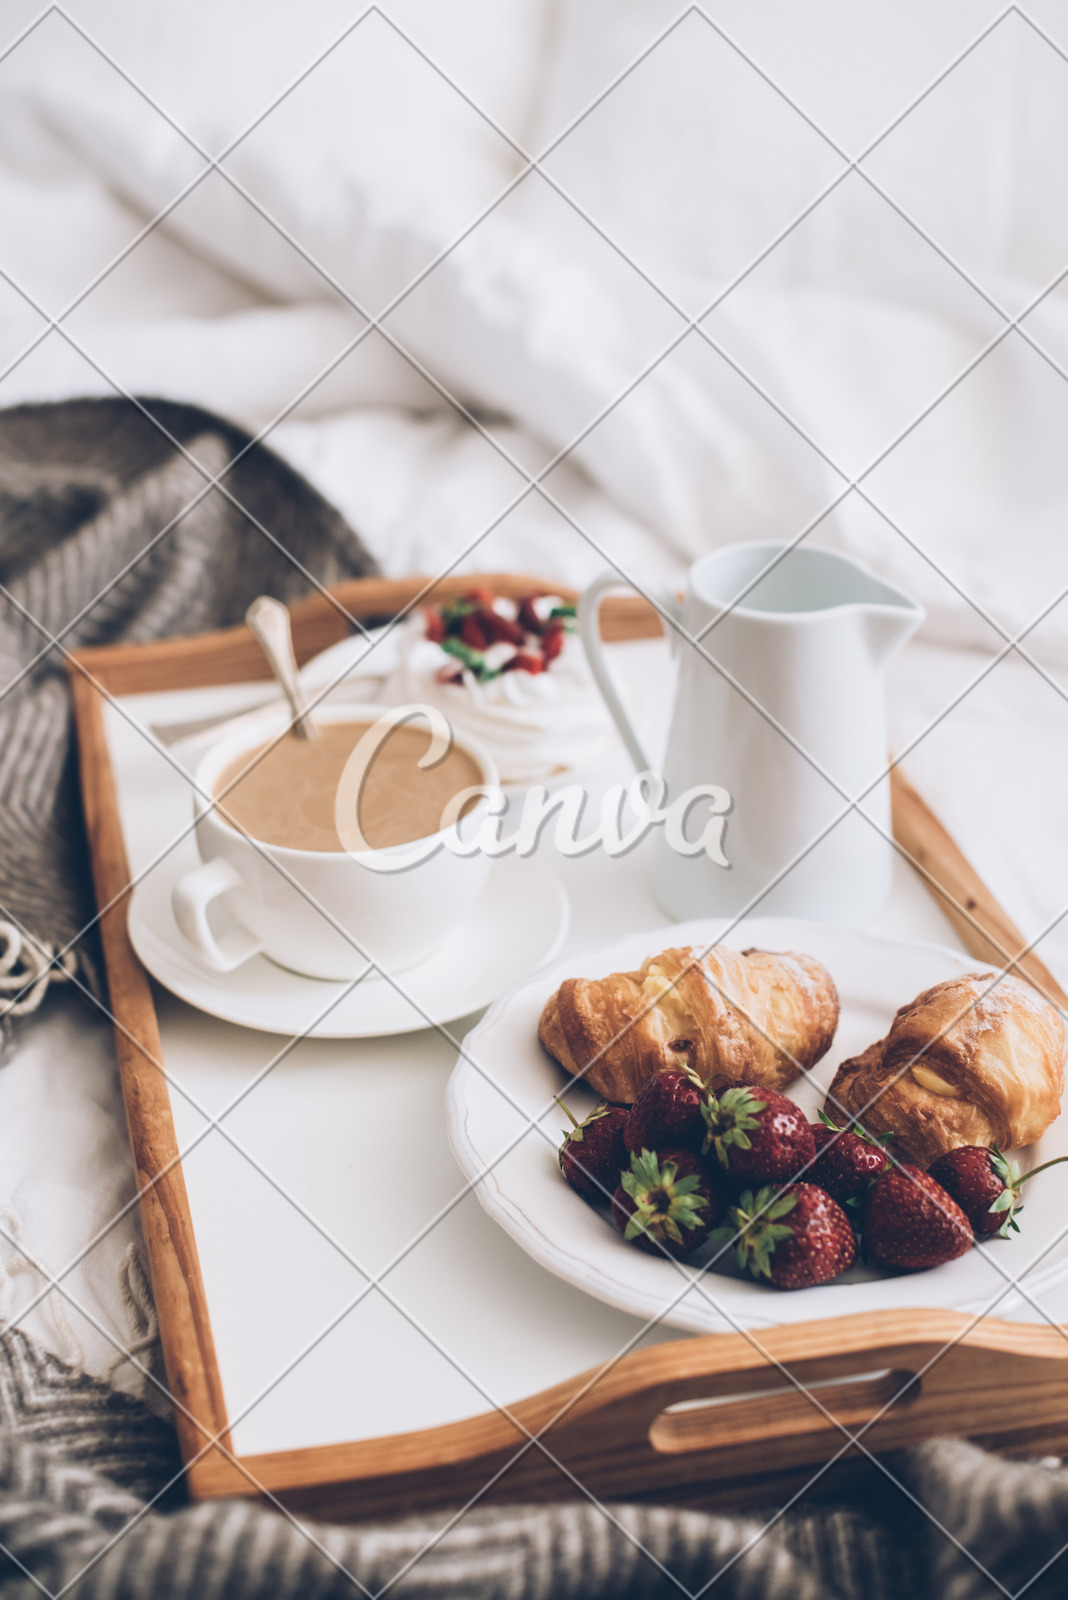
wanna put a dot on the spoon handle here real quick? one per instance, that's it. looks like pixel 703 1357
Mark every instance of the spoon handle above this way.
pixel 269 621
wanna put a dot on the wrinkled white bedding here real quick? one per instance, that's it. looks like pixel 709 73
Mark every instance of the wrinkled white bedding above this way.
pixel 758 410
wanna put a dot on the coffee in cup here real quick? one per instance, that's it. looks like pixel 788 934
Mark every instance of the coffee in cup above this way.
pixel 271 854
pixel 283 792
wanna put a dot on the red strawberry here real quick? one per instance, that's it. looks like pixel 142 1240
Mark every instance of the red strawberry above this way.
pixel 475 631
pixel 797 1238
pixel 526 615
pixel 846 1162
pixel 985 1185
pixel 435 624
pixel 502 630
pixel 522 662
pixel 553 640
pixel 664 1203
pixel 668 1112
pixel 593 1152
pixel 758 1135
pixel 912 1223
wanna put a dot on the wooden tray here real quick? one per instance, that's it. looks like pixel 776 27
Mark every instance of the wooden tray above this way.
pixel 613 1430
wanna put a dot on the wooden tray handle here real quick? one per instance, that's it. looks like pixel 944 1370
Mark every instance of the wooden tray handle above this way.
pixel 753 1417
pixel 715 1403
pixel 705 1411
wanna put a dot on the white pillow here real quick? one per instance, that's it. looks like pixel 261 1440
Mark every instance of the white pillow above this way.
pixel 372 136
pixel 511 320
pixel 696 160
pixel 853 325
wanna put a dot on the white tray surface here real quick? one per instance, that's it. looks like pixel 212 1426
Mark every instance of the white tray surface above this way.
pixel 353 1133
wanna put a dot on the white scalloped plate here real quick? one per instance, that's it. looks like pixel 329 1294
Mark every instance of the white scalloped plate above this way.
pixel 505 1082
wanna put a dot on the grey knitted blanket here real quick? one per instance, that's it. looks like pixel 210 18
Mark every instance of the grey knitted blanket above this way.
pixel 91 1506
pixel 111 531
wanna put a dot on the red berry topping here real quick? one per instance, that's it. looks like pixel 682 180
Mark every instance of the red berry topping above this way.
pixel 474 631
pixel 552 641
pixel 502 630
pixel 527 617
pixel 471 624
pixel 435 624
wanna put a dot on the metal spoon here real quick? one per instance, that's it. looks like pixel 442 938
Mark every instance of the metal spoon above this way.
pixel 269 621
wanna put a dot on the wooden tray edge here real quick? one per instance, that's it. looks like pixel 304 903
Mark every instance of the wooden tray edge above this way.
pixel 174 1264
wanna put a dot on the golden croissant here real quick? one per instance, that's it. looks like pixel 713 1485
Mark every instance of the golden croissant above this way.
pixel 750 1017
pixel 976 1060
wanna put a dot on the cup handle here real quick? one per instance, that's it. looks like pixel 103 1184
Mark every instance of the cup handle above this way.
pixel 190 899
pixel 589 627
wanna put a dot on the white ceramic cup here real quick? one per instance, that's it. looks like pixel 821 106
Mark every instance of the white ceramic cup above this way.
pixel 317 912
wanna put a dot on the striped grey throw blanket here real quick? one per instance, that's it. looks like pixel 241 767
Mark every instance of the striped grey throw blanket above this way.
pixel 111 531
pixel 91 1507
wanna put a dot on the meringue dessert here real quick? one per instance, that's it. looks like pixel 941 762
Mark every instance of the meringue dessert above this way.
pixel 513 675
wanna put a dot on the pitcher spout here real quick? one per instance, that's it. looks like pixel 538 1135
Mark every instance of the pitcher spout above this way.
pixel 889 625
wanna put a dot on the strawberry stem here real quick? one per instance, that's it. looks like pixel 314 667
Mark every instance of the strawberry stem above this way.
pixel 1043 1168
pixel 575 1123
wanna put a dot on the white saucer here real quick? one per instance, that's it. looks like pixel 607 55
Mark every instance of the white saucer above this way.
pixel 519 922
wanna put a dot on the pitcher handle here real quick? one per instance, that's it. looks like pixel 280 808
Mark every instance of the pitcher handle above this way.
pixel 589 627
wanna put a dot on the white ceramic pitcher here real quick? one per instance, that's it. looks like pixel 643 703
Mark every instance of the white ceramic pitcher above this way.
pixel 794 655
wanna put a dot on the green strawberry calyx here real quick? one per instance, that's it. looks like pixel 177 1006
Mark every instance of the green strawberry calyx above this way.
pixel 664 1203
pixel 755 1229
pixel 880 1140
pixel 730 1118
pixel 1009 1198
pixel 574 1134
